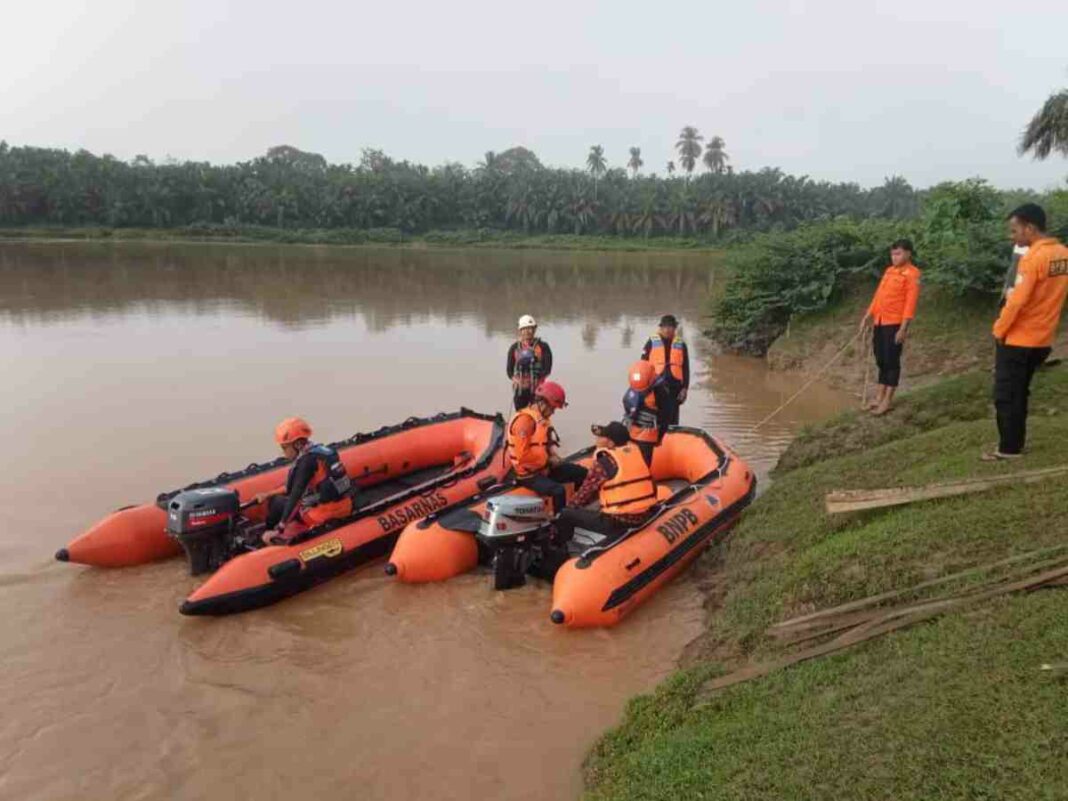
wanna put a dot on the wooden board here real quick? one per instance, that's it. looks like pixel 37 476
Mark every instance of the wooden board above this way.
pixel 858 500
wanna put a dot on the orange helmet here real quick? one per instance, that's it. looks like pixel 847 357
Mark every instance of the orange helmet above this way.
pixel 552 393
pixel 642 375
pixel 291 429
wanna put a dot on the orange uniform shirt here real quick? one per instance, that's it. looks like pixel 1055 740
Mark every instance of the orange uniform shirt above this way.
pixel 1032 309
pixel 897 294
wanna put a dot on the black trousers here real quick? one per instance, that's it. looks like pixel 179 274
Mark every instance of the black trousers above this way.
pixel 590 520
pixel 1014 367
pixel 275 506
pixel 552 484
pixel 887 354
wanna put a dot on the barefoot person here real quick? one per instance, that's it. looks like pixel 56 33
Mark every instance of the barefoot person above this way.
pixel 1026 326
pixel 892 310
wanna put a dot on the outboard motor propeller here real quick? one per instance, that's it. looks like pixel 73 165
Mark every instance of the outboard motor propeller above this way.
pixel 515 527
pixel 203 521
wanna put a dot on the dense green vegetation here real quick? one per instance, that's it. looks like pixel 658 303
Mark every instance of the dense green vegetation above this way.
pixel 956 708
pixel 509 191
pixel 961 245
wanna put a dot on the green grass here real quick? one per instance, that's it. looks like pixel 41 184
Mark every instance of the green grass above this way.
pixel 952 709
pixel 353 236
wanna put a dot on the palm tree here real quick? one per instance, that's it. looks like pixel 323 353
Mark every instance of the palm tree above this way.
pixel 1048 129
pixel 596 164
pixel 689 147
pixel 716 157
pixel 671 167
pixel 635 162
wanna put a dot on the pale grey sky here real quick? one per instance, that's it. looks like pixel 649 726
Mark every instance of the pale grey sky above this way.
pixel 839 90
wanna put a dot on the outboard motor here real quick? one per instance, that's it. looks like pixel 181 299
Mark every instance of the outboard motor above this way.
pixel 203 522
pixel 515 527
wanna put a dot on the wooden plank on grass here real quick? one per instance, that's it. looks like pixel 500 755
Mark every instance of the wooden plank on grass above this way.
pixel 858 500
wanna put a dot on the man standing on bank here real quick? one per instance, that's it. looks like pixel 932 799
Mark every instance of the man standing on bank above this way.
pixel 892 310
pixel 1026 326
pixel 670 357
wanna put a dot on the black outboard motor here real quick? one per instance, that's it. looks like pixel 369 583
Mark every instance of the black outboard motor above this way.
pixel 203 522
pixel 515 531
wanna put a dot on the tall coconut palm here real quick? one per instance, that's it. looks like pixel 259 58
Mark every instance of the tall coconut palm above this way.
pixel 597 165
pixel 1048 129
pixel 689 148
pixel 635 162
pixel 595 162
pixel 716 157
pixel 671 168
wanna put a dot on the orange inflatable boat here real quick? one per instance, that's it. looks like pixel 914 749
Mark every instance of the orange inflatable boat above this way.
pixel 702 487
pixel 402 473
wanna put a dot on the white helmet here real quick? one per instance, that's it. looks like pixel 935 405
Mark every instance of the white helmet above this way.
pixel 526 321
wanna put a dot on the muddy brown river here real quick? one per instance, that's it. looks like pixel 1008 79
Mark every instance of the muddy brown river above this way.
pixel 134 368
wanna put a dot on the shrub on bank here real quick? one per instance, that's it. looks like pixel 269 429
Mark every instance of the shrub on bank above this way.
pixel 960 241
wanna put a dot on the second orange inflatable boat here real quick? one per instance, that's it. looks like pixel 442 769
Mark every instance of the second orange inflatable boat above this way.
pixel 703 486
pixel 402 473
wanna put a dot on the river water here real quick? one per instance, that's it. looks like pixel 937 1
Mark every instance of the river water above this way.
pixel 134 368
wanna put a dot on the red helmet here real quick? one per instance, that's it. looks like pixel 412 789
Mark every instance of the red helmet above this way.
pixel 642 375
pixel 291 429
pixel 552 393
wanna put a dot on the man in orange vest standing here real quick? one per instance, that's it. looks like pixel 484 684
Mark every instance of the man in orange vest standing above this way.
pixel 1026 326
pixel 670 357
pixel 892 310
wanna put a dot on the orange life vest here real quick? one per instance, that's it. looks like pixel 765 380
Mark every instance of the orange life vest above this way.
pixel 632 490
pixel 643 425
pixel 656 355
pixel 530 455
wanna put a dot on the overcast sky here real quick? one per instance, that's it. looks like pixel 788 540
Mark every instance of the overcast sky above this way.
pixel 850 90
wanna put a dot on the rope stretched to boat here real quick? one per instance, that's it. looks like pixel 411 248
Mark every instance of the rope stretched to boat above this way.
pixel 819 373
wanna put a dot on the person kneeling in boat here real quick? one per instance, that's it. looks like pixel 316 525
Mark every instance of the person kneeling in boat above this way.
pixel 644 408
pixel 532 443
pixel 317 488
pixel 620 478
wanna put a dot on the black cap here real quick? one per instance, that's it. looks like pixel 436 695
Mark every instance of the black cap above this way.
pixel 669 319
pixel 616 431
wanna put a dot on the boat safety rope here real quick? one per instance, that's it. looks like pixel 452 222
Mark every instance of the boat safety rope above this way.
pixel 818 374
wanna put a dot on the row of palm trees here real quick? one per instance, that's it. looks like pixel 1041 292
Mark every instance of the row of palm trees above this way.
pixel 688 146
pixel 511 190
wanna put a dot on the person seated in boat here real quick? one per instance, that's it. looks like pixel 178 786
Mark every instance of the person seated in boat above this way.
pixel 532 444
pixel 530 361
pixel 644 407
pixel 317 488
pixel 620 479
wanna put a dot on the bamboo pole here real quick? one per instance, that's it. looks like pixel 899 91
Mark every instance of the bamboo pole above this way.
pixel 840 501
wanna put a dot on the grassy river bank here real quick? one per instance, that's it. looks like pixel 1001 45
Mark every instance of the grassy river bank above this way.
pixel 953 708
